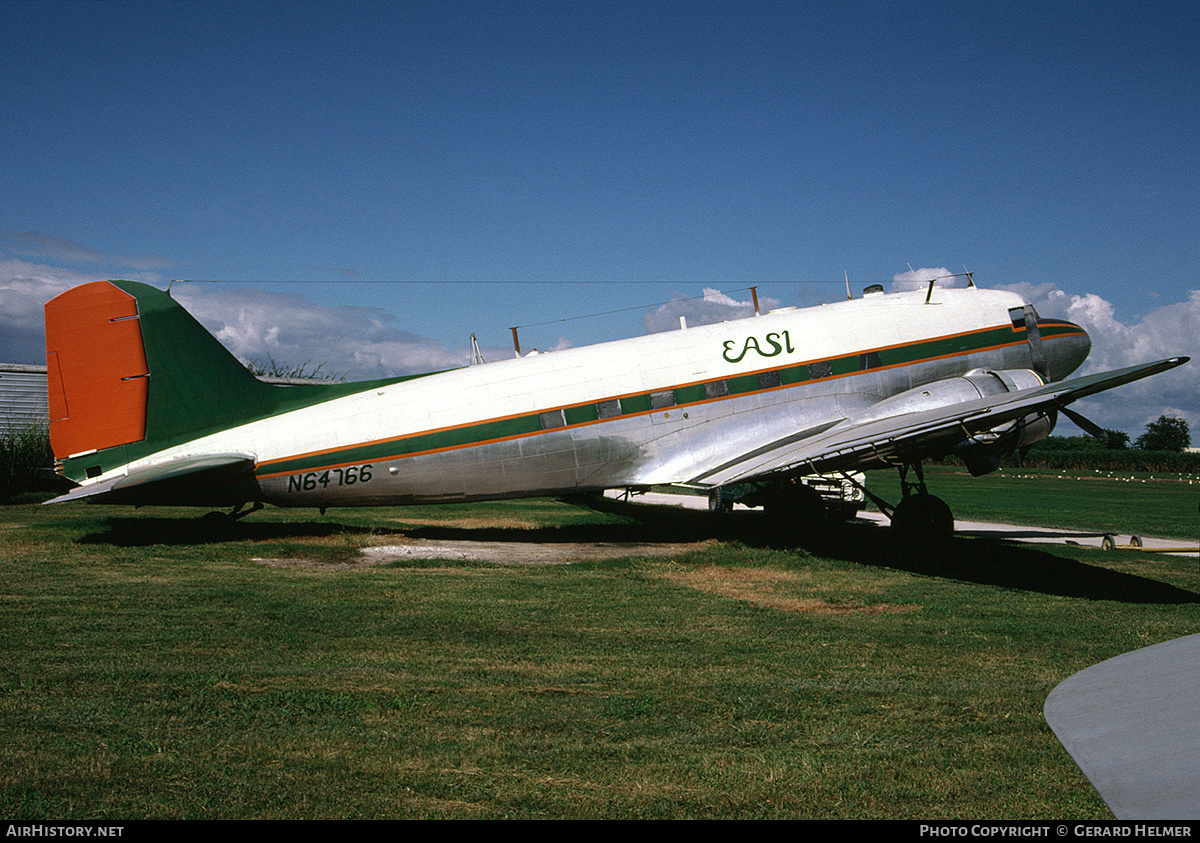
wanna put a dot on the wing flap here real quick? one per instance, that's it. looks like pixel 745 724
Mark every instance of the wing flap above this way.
pixel 911 436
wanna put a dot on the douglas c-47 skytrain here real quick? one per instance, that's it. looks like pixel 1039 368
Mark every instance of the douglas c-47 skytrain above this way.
pixel 146 407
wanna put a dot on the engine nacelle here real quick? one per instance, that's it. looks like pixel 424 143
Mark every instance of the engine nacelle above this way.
pixel 975 384
pixel 981 452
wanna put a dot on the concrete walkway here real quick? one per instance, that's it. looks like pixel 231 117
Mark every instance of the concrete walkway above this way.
pixel 1015 532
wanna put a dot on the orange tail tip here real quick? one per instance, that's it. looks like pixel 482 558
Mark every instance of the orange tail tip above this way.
pixel 97 376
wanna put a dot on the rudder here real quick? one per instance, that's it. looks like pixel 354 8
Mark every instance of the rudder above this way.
pixel 96 371
pixel 127 365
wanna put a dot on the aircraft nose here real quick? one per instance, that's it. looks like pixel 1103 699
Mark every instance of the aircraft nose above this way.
pixel 1067 345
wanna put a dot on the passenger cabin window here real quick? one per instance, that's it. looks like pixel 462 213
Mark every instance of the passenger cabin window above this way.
pixel 767 380
pixel 870 360
pixel 820 369
pixel 716 389
pixel 553 419
pixel 662 400
pixel 608 409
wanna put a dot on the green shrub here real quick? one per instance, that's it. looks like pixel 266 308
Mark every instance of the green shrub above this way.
pixel 25 457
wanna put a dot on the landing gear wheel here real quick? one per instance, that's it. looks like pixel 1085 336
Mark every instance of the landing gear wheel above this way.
pixel 218 518
pixel 716 504
pixel 923 516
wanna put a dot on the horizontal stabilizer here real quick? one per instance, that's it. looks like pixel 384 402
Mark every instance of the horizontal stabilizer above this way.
pixel 209 479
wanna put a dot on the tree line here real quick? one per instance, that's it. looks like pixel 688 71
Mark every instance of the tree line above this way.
pixel 1167 433
pixel 1161 448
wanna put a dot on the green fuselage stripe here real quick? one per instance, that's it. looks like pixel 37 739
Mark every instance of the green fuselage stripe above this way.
pixel 810 371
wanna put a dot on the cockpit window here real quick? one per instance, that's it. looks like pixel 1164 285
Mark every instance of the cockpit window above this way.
pixel 1018 314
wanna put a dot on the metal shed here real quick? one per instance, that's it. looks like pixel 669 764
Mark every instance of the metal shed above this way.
pixel 23 401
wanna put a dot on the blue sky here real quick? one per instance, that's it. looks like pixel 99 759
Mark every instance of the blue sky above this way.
pixel 389 177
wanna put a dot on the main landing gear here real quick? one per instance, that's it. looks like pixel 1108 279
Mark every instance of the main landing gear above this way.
pixel 795 506
pixel 920 515
pixel 789 504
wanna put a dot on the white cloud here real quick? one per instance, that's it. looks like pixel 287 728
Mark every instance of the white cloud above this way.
pixel 1168 331
pixel 918 279
pixel 711 308
pixel 26 286
pixel 357 342
pixel 24 289
pixel 363 342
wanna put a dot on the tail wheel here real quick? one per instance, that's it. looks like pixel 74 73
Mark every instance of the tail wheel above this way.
pixel 717 504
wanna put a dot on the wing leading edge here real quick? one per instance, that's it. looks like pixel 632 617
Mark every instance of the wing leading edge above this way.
pixel 908 437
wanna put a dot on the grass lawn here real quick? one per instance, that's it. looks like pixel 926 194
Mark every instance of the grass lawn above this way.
pixel 154 669
pixel 1101 502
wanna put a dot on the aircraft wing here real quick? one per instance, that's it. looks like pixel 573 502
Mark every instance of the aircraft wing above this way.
pixel 186 478
pixel 1132 724
pixel 909 437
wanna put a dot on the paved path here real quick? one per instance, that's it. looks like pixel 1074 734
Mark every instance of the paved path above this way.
pixel 1048 535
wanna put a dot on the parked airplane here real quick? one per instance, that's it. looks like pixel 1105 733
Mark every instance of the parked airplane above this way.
pixel 148 408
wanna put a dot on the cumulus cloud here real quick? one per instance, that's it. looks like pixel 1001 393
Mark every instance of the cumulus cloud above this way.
pixel 365 342
pixel 1167 331
pixel 357 342
pixel 710 308
pixel 24 288
pixel 918 279
pixel 26 285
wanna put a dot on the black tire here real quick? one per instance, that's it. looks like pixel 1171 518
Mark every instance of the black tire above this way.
pixel 717 504
pixel 923 516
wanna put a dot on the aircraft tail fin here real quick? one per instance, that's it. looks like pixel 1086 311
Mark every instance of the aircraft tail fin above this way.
pixel 131 373
pixel 130 370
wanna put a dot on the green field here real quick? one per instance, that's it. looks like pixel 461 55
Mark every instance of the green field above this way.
pixel 154 669
pixel 1165 506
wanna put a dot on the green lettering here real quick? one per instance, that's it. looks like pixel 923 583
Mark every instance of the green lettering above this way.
pixel 729 348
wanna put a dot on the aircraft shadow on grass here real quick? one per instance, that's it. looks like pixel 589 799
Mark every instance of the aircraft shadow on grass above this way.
pixel 986 561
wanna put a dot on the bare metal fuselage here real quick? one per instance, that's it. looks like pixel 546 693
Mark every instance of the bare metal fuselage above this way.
pixel 666 408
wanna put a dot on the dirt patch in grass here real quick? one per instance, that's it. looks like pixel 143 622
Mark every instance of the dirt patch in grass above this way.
pixel 769 588
pixel 400 549
pixel 470 523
